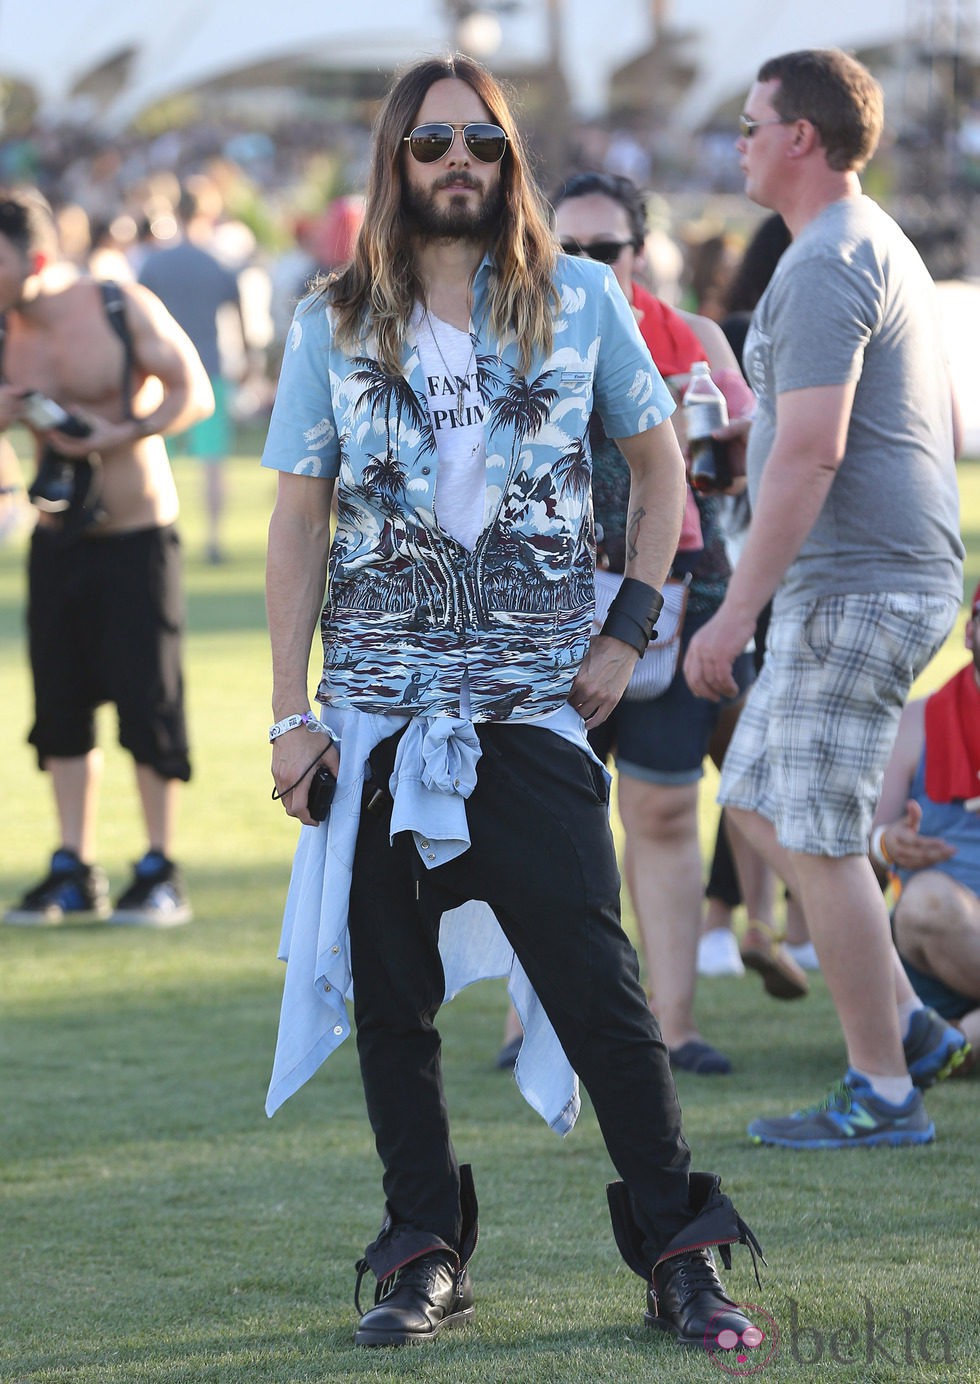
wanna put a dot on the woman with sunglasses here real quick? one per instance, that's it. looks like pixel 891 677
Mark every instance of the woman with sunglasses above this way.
pixel 660 745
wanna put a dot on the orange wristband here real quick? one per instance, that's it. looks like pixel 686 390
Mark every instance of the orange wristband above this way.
pixel 878 850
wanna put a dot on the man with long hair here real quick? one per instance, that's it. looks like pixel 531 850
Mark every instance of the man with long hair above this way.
pixel 443 385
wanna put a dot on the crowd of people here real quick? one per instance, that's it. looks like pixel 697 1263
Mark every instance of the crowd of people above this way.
pixel 475 432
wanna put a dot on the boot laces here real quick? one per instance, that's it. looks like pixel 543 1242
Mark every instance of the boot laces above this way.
pixel 695 1273
pixel 420 1273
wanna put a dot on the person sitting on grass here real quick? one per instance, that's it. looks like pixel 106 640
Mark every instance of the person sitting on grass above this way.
pixel 927 834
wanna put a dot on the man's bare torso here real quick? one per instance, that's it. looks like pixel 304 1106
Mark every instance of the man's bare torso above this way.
pixel 67 349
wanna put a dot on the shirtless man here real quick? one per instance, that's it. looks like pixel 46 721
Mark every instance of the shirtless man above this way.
pixel 105 602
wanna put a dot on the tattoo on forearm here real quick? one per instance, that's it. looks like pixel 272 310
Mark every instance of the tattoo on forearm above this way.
pixel 633 532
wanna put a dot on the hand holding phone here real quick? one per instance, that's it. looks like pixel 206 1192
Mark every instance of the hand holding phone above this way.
pixel 322 788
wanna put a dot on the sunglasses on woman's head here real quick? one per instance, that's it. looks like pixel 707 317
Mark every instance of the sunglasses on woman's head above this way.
pixel 429 143
pixel 605 251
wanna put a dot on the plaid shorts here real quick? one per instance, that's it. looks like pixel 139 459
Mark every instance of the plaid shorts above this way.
pixel 811 745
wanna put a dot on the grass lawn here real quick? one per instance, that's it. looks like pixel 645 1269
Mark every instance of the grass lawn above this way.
pixel 156 1228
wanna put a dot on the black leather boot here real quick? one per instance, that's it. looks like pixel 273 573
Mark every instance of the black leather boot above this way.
pixel 684 1293
pixel 423 1284
pixel 425 1297
pixel 685 1297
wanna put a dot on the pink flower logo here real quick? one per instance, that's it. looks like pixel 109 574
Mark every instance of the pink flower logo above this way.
pixel 746 1352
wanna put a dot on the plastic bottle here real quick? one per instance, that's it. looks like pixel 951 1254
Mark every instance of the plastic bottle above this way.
pixel 705 411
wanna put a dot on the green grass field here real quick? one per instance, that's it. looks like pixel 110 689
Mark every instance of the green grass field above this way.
pixel 156 1228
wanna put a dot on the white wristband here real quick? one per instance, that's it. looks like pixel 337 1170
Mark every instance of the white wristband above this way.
pixel 877 849
pixel 309 719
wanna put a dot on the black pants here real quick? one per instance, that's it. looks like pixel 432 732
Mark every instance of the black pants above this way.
pixel 542 856
pixel 105 624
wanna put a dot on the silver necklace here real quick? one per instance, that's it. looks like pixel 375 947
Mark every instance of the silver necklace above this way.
pixel 450 374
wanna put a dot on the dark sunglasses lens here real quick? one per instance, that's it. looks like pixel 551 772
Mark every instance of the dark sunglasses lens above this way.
pixel 485 142
pixel 605 251
pixel 430 142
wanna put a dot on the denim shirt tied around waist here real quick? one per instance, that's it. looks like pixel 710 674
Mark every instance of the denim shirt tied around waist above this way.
pixel 409 611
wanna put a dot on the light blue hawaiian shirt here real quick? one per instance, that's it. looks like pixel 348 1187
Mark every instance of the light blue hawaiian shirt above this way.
pixel 410 612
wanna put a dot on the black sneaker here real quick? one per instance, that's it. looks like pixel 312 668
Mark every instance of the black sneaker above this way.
pixel 71 892
pixel 156 897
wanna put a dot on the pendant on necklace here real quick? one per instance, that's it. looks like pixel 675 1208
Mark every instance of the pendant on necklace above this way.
pixel 459 405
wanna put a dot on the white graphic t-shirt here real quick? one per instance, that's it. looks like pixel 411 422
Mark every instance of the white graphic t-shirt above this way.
pixel 448 359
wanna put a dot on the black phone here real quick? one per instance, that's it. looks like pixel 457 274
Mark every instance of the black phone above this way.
pixel 322 787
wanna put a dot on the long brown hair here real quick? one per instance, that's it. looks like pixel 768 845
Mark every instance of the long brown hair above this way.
pixel 374 296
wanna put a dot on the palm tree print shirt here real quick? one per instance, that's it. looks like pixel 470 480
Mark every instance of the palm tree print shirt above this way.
pixel 409 611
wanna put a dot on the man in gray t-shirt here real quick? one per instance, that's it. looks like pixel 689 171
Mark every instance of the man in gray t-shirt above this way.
pixel 194 287
pixel 855 536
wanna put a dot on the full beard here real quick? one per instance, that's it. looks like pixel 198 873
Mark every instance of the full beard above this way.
pixel 460 220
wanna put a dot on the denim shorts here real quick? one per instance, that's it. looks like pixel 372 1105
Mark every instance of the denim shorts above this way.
pixel 811 745
pixel 665 740
pixel 950 1003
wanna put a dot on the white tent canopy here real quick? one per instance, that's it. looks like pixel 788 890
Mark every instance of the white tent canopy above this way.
pixel 53 44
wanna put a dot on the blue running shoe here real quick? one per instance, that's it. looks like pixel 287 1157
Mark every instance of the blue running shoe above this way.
pixel 851 1116
pixel 70 892
pixel 933 1048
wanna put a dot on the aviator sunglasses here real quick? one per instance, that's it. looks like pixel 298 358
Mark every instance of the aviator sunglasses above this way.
pixel 605 251
pixel 429 143
pixel 747 126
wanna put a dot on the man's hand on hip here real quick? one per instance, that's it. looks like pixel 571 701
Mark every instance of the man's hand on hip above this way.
pixel 602 678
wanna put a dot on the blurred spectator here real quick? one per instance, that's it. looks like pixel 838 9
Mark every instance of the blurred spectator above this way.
pixel 332 237
pixel 627 157
pixel 711 261
pixel 781 954
pixel 193 287
pixel 74 234
pixel 659 743
pixel 289 277
pixel 111 241
pixel 751 278
pixel 927 833
pixel 105 608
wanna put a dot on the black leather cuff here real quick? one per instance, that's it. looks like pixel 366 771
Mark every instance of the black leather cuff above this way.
pixel 633 613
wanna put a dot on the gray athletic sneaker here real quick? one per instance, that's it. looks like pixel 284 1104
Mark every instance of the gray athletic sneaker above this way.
pixel 933 1048
pixel 851 1116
